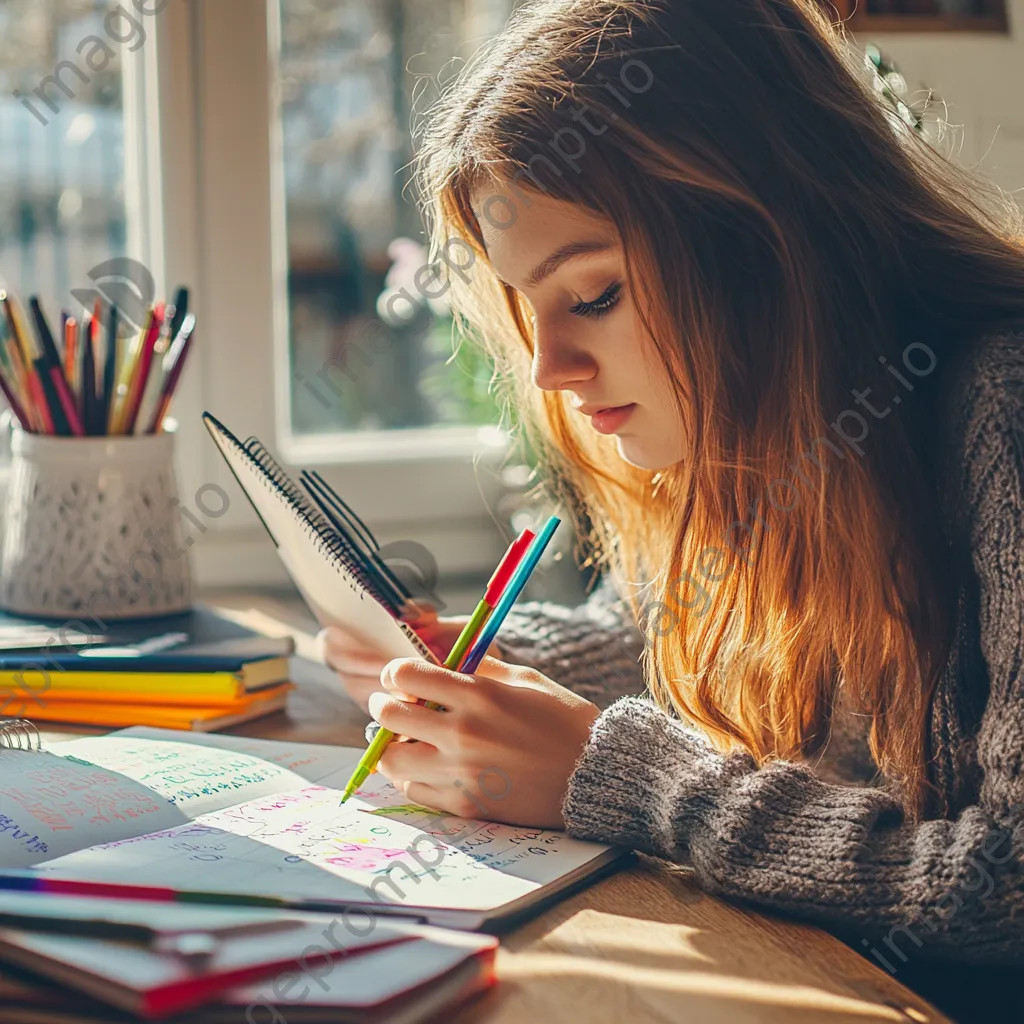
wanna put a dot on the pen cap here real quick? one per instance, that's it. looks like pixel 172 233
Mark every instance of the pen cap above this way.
pixel 94 529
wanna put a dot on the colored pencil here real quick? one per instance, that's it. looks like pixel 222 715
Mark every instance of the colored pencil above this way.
pixel 70 333
pixel 49 399
pixel 140 372
pixel 99 421
pixel 48 348
pixel 21 357
pixel 61 341
pixel 35 390
pixel 176 360
pixel 22 376
pixel 153 389
pixel 125 367
pixel 83 352
pixel 64 412
pixel 6 384
pixel 107 389
pixel 87 373
pixel 13 375
pixel 180 309
pixel 67 403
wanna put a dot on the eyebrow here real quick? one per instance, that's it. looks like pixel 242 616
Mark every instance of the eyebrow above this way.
pixel 563 254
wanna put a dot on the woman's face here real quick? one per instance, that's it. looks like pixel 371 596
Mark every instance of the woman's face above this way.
pixel 568 265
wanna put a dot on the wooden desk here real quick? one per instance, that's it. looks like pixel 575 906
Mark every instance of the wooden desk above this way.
pixel 645 945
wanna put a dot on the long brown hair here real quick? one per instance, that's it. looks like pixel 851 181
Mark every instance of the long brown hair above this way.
pixel 789 242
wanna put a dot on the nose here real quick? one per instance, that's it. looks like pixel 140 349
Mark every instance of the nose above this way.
pixel 558 364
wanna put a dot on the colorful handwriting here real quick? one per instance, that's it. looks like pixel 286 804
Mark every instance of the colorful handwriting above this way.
pixel 11 829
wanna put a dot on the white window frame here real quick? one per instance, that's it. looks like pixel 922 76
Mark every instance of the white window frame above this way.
pixel 212 215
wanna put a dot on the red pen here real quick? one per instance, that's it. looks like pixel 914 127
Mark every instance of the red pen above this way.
pixel 492 593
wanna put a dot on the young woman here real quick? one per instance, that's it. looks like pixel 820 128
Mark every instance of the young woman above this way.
pixel 772 343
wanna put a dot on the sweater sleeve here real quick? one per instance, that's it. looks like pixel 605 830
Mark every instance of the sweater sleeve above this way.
pixel 843 857
pixel 593 649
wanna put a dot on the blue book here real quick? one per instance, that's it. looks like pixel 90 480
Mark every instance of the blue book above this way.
pixel 196 641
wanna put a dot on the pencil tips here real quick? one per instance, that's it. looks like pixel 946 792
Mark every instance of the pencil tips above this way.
pixel 69 383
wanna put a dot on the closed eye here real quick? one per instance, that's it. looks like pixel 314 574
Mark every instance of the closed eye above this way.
pixel 601 305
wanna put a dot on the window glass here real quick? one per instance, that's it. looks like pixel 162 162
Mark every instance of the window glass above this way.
pixel 349 69
pixel 62 209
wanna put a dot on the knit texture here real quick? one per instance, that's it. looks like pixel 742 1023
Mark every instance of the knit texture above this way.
pixel 827 841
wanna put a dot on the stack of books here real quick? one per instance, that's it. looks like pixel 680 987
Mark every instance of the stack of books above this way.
pixel 197 671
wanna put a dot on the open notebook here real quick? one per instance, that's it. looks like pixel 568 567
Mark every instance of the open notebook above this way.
pixel 329 553
pixel 148 813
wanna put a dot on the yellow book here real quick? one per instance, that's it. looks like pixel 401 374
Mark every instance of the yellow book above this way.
pixel 163 687
pixel 166 698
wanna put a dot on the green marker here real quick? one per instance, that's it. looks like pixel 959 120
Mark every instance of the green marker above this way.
pixel 368 762
pixel 497 583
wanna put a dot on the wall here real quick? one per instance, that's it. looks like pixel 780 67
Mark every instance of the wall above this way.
pixel 981 78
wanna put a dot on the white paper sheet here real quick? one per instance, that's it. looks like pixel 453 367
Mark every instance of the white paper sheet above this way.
pixel 288 836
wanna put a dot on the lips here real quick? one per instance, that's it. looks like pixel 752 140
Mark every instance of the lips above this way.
pixel 611 418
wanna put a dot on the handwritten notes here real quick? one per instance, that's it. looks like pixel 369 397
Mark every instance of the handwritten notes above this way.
pixel 194 778
pixel 232 815
pixel 108 788
pixel 50 806
pixel 259 818
pixel 302 844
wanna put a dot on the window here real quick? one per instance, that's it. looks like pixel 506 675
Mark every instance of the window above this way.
pixel 62 180
pixel 281 200
pixel 347 76
pixel 348 68
pixel 250 152
pixel 415 417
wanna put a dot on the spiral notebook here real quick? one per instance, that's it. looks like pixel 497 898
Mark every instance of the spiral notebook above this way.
pixel 150 814
pixel 331 556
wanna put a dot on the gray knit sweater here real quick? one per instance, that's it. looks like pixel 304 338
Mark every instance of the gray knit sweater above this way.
pixel 827 841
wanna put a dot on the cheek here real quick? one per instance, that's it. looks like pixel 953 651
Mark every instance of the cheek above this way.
pixel 658 386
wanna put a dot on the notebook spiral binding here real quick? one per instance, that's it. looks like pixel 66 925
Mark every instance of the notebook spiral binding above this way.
pixel 325 538
pixel 19 734
pixel 324 535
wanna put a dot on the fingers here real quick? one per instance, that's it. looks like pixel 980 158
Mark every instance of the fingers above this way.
pixel 413 721
pixel 344 653
pixel 424 681
pixel 402 761
pixel 424 795
pixel 417 771
pixel 501 671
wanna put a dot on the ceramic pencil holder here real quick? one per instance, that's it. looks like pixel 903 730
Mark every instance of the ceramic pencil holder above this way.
pixel 92 529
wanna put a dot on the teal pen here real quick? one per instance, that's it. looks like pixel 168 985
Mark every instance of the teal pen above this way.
pixel 508 597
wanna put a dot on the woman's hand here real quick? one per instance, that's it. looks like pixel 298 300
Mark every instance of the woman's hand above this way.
pixel 503 750
pixel 359 665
